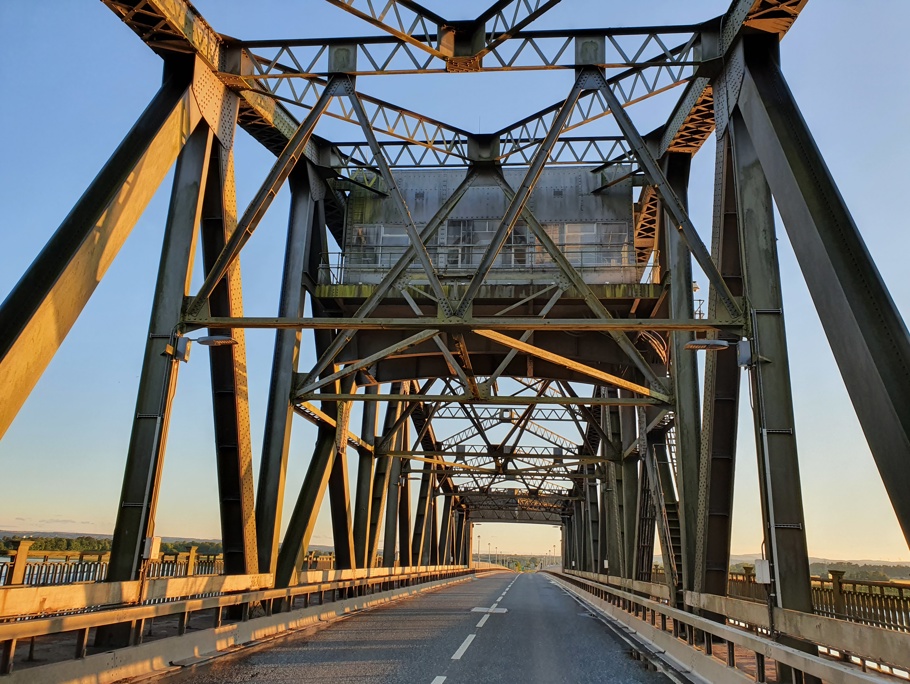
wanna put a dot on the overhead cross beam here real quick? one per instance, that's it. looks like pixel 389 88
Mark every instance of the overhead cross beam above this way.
pixel 460 44
pixel 625 47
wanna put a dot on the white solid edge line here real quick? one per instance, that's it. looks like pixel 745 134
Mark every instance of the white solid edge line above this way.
pixel 483 620
pixel 439 680
pixel 463 647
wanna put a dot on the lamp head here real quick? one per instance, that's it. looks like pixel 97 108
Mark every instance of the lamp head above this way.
pixel 706 345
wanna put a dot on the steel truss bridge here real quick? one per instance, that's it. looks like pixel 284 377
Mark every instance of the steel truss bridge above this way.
pixel 558 400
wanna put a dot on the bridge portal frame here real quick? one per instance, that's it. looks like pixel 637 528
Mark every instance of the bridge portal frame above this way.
pixel 766 150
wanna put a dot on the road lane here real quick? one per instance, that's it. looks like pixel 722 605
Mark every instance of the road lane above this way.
pixel 500 627
pixel 546 636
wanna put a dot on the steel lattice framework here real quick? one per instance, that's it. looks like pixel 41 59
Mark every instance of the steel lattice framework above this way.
pixel 574 402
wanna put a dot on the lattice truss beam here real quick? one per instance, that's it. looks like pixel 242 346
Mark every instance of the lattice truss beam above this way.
pixel 507 452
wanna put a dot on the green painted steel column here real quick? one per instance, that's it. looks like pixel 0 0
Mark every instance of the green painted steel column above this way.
pixel 230 400
pixel 775 430
pixel 363 487
pixel 276 438
pixel 720 416
pixel 303 518
pixel 866 332
pixel 158 378
pixel 339 488
pixel 630 485
pixel 684 371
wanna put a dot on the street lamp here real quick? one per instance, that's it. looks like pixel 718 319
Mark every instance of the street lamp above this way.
pixel 478 548
pixel 702 344
pixel 179 346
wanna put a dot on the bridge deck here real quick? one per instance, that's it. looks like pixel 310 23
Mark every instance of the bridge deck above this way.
pixel 540 638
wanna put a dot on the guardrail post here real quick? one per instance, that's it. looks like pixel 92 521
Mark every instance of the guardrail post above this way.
pixel 81 643
pixel 840 603
pixel 7 651
pixel 191 561
pixel 749 573
pixel 182 621
pixel 760 668
pixel 17 574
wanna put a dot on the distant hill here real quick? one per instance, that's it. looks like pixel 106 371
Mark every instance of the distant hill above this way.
pixel 750 558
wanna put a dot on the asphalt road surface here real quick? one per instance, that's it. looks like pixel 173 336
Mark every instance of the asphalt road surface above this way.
pixel 499 628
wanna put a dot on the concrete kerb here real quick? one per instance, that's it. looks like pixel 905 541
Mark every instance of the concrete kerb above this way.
pixel 173 653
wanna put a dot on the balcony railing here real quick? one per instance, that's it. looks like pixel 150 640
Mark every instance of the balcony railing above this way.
pixel 596 263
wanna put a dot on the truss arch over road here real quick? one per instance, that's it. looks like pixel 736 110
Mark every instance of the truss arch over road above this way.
pixel 511 312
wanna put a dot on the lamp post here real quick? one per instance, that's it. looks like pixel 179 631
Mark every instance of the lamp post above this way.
pixel 489 557
pixel 478 548
pixel 179 345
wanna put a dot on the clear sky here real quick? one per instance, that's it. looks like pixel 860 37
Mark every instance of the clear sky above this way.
pixel 75 81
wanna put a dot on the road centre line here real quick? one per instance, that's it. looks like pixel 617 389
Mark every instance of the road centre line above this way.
pixel 463 647
pixel 483 620
pixel 438 680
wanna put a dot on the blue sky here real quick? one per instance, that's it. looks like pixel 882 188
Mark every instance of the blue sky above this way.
pixel 76 79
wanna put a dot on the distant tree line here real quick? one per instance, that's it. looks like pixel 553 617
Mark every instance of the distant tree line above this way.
pixel 58 543
pixel 203 547
pixel 879 573
pixel 85 543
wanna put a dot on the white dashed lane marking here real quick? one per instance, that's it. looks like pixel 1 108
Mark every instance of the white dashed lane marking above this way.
pixel 483 620
pixel 463 647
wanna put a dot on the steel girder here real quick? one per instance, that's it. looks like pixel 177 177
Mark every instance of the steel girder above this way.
pixel 39 312
pixel 233 448
pixel 277 435
pixel 867 335
pixel 721 398
pixel 684 371
pixel 621 48
pixel 145 458
pixel 775 431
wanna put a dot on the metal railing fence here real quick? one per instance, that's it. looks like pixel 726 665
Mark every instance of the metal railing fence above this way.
pixel 867 602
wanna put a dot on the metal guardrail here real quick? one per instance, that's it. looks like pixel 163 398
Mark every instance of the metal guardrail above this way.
pixel 60 567
pixel 712 648
pixel 867 602
pixel 51 572
pixel 28 611
pixel 882 604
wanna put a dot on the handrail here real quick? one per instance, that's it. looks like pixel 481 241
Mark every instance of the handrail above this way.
pixel 654 589
pixel 799 625
pixel 277 613
pixel 883 645
pixel 127 600
pixel 465 259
